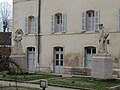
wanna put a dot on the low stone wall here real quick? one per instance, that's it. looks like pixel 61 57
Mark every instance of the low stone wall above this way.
pixel 21 60
pixel 77 71
pixel 116 72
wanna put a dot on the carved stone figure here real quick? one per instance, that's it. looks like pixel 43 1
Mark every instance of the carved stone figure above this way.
pixel 17 49
pixel 103 40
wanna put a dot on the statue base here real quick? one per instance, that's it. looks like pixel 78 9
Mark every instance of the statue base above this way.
pixel 102 66
pixel 21 60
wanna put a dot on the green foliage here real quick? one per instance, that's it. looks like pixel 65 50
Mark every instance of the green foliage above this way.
pixel 7 64
pixel 4 63
pixel 26 77
pixel 83 83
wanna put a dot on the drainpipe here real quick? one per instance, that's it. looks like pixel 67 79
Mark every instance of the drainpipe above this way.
pixel 39 28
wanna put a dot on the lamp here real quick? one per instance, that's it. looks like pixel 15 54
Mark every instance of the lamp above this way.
pixel 43 83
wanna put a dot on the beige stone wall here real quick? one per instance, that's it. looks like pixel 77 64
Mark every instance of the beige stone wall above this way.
pixel 22 9
pixel 73 41
pixel 74 48
pixel 108 13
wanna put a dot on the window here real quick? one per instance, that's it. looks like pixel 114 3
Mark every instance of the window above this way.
pixel 31 48
pixel 90 20
pixel 58 23
pixel 31 25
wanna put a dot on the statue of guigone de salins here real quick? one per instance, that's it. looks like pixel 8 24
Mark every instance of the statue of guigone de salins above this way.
pixel 17 48
pixel 103 35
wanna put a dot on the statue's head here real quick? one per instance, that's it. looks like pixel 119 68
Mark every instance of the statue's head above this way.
pixel 101 26
pixel 19 32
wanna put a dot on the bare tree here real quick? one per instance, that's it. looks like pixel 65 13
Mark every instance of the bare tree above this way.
pixel 5 16
pixel 5 25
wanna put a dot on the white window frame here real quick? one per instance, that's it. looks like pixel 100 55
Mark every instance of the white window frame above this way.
pixel 58 22
pixel 58 28
pixel 95 21
pixel 34 28
pixel 31 25
pixel 90 20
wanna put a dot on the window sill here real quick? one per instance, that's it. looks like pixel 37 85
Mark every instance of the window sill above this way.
pixel 58 33
pixel 31 34
pixel 90 31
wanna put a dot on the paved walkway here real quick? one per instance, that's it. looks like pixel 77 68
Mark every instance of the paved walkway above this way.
pixel 8 83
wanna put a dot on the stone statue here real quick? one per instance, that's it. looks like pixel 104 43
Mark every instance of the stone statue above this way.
pixel 17 49
pixel 103 40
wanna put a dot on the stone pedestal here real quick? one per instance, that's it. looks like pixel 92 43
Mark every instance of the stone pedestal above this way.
pixel 102 67
pixel 21 60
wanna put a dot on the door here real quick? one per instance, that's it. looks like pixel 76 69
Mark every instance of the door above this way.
pixel 58 60
pixel 31 60
pixel 90 51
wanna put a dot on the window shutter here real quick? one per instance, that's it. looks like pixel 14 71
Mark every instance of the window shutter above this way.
pixel 119 19
pixel 52 23
pixel 96 20
pixel 26 25
pixel 64 22
pixel 36 25
pixel 83 17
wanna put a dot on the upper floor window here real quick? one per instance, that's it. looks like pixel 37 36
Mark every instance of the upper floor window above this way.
pixel 58 23
pixel 90 20
pixel 31 25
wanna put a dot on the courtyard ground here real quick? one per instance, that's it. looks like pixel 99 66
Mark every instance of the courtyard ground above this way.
pixel 37 86
pixel 57 82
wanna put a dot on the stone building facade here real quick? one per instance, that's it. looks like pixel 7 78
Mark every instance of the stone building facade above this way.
pixel 69 32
